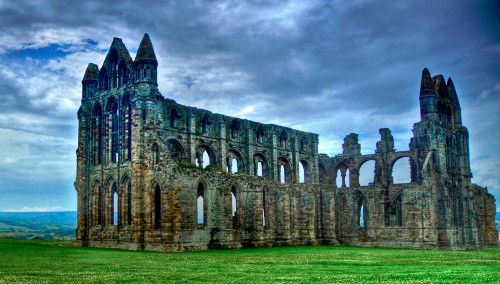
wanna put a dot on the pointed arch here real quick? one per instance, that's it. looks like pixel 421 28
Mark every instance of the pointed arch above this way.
pixel 284 170
pixel 234 161
pixel 342 176
pixel 201 204
pixel 367 172
pixel 234 208
pixel 261 165
pixel 260 134
pixel 126 133
pixel 361 210
pixel 176 150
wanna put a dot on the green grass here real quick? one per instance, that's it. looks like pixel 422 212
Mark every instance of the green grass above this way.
pixel 41 261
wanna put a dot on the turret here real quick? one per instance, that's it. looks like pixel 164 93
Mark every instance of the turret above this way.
pixel 145 62
pixel 428 97
pixel 457 111
pixel 89 81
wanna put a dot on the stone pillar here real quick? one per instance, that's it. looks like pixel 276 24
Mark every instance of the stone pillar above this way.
pixel 191 131
pixel 222 144
pixel 249 163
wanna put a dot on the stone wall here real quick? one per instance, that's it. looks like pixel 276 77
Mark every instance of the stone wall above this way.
pixel 153 174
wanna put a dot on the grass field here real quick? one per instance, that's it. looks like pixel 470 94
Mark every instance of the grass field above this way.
pixel 42 261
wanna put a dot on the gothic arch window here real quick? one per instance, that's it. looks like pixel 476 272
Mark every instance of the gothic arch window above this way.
pixel 261 166
pixel 114 128
pixel 115 206
pixel 234 207
pixel 126 127
pixel 343 176
pixel 201 205
pixel 401 170
pixel 157 210
pixel 97 134
pixel 205 124
pixel 234 162
pixel 367 173
pixel 303 168
pixel 394 212
pixel 234 128
pixel 260 134
pixel 174 118
pixel 155 153
pixel 360 215
pixel 123 73
pixel 176 150
pixel 205 156
pixel 283 137
pixel 103 79
pixel 284 173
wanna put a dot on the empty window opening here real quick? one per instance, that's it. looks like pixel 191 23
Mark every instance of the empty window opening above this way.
pixel 367 173
pixel 343 177
pixel 115 208
pixel 157 207
pixel 234 165
pixel 204 160
pixel 302 172
pixel 114 133
pixel 264 209
pixel 234 207
pixel 362 222
pixel 259 169
pixel 401 171
pixel 200 205
pixel 282 174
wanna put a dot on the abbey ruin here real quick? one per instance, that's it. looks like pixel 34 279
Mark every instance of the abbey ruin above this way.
pixel 157 175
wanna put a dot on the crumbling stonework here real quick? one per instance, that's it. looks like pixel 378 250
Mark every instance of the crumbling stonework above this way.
pixel 153 174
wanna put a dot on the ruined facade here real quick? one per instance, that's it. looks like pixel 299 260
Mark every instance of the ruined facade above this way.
pixel 153 174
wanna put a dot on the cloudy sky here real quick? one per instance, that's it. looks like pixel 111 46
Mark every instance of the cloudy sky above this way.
pixel 329 67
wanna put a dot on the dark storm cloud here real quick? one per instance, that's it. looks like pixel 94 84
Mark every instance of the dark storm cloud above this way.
pixel 330 67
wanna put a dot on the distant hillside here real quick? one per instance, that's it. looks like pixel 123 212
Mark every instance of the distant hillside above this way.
pixel 47 225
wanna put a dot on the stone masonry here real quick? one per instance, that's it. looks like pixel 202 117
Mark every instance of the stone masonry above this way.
pixel 156 175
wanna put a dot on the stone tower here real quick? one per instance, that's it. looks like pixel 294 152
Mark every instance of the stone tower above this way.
pixel 157 175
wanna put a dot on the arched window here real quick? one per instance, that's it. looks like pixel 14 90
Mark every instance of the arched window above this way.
pixel 156 154
pixel 115 203
pixel 234 128
pixel 260 165
pixel 401 171
pixel 260 134
pixel 114 133
pixel 123 73
pixel 174 118
pixel 234 162
pixel 302 171
pixel 203 160
pixel 361 212
pixel 176 150
pixel 234 207
pixel 283 137
pixel 205 123
pixel 97 134
pixel 283 170
pixel 126 127
pixel 103 79
pixel 264 224
pixel 343 176
pixel 200 204
pixel 393 212
pixel 157 207
pixel 367 173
